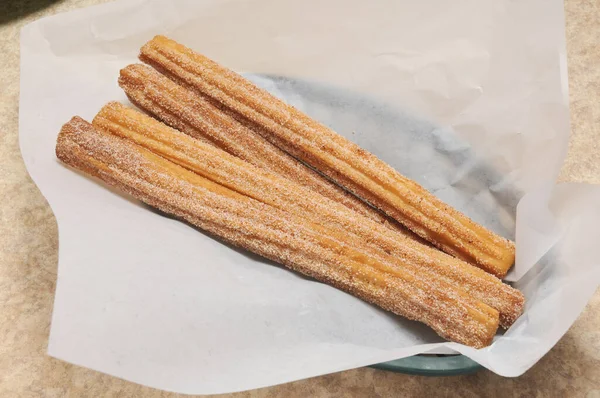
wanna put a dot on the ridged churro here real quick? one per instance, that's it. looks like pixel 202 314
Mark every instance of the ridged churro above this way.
pixel 333 155
pixel 280 236
pixel 239 176
pixel 194 115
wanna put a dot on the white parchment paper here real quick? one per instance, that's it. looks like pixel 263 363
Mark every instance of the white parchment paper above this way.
pixel 469 98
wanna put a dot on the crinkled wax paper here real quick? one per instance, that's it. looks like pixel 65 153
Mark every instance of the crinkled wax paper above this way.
pixel 469 98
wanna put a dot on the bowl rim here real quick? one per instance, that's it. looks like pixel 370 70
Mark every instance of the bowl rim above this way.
pixel 431 365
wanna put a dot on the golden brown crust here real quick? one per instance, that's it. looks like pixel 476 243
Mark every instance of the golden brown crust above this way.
pixel 297 243
pixel 344 162
pixel 239 176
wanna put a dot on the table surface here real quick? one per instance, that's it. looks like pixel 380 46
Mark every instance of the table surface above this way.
pixel 28 257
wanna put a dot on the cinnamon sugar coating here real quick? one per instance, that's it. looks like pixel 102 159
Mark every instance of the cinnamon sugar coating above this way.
pixel 336 157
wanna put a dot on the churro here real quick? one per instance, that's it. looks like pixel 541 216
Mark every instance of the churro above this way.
pixel 303 246
pixel 333 155
pixel 239 176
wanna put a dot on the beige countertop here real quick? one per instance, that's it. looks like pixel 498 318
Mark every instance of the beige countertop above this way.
pixel 28 258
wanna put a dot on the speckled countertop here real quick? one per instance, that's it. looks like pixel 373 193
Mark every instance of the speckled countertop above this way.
pixel 28 257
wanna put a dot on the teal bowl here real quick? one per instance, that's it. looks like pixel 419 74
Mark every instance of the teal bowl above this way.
pixel 431 365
